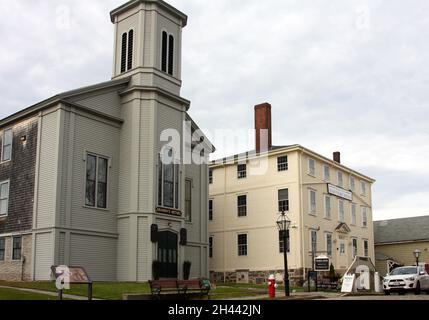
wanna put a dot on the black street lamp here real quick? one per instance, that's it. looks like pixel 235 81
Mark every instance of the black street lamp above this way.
pixel 417 253
pixel 283 223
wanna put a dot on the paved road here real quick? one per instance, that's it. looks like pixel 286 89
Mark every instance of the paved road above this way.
pixel 408 297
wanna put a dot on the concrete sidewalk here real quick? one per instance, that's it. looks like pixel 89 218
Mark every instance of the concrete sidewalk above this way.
pixel 295 296
pixel 48 293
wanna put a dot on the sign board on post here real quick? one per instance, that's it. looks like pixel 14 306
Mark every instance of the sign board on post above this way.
pixel 348 283
pixel 65 276
pixel 322 263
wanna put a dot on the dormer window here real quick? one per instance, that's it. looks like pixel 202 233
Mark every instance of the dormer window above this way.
pixel 167 52
pixel 127 51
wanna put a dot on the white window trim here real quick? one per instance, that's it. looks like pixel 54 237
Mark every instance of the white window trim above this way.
pixel 127 49
pixel 310 204
pixel 190 214
pixel 283 163
pixel 352 185
pixel 109 165
pixel 208 212
pixel 8 197
pixel 363 190
pixel 212 242
pixel 2 146
pixel 247 206
pixel 241 171
pixel 312 174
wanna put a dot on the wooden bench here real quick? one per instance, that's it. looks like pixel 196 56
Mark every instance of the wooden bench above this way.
pixel 180 287
pixel 158 287
pixel 193 286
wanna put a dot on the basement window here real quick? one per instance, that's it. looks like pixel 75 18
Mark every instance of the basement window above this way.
pixel 16 249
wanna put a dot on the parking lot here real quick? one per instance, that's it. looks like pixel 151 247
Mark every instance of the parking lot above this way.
pixel 407 297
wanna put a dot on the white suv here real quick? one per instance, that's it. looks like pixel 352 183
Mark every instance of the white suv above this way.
pixel 407 279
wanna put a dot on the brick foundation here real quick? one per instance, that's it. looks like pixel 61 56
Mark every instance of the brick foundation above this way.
pixel 17 270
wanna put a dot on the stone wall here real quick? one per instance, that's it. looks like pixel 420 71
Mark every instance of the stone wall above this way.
pixel 17 270
pixel 257 277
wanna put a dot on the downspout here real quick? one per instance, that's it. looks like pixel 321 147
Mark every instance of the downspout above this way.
pixel 224 232
pixel 301 212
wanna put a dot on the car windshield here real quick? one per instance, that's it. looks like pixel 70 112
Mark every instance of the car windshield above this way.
pixel 400 271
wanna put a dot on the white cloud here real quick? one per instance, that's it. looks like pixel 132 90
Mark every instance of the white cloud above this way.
pixel 341 75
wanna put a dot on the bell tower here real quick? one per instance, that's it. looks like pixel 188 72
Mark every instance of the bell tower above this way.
pixel 148 44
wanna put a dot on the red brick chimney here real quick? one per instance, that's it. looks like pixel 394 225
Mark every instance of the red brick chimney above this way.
pixel 337 157
pixel 263 127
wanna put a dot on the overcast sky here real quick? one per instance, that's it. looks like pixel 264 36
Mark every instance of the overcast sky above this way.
pixel 349 76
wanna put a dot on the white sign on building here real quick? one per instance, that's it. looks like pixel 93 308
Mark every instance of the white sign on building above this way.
pixel 348 283
pixel 340 192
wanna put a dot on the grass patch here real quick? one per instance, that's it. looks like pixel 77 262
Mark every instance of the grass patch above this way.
pixel 115 290
pixel 11 294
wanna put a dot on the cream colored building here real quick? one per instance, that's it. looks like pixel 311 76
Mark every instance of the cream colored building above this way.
pixel 329 204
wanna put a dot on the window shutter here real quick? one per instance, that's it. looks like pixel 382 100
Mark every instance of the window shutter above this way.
pixel 130 49
pixel 124 53
pixel 170 55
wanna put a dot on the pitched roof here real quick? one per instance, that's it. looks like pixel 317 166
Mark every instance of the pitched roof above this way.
pixel 402 230
pixel 63 97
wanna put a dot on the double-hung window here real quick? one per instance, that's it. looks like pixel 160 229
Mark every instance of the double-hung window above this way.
pixel 284 200
pixel 4 198
pixel 6 153
pixel 312 203
pixel 96 181
pixel 326 173
pixel 211 247
pixel 2 248
pixel 340 179
pixel 341 216
pixel 363 188
pixel 312 167
pixel 168 180
pixel 16 248
pixel 313 241
pixel 364 217
pixel 188 200
pixel 241 171
pixel 328 207
pixel 352 183
pixel 329 244
pixel 242 206
pixel 353 214
pixel 210 176
pixel 366 248
pixel 355 247
pixel 282 163
pixel 210 210
pixel 242 245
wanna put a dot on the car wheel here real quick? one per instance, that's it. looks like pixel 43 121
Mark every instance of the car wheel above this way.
pixel 387 293
pixel 418 289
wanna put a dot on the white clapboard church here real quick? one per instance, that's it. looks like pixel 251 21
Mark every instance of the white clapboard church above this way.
pixel 104 196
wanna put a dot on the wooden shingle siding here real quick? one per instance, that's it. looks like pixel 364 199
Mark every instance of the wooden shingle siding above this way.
pixel 96 254
pixel 44 256
pixel 20 172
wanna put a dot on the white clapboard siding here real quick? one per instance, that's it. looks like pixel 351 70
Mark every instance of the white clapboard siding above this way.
pixel 123 249
pixel 44 256
pixel 143 254
pixel 107 102
pixel 193 254
pixel 96 254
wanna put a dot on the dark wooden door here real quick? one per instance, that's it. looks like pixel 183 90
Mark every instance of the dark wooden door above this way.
pixel 167 254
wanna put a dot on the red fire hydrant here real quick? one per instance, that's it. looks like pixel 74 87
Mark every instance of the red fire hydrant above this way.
pixel 272 286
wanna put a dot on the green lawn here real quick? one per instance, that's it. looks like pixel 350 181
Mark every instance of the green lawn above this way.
pixel 10 294
pixel 115 290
